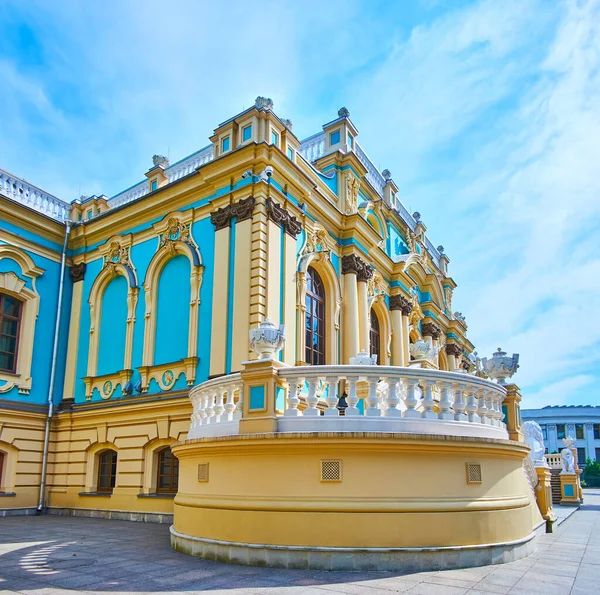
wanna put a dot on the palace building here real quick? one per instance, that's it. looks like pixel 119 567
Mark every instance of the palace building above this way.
pixel 140 377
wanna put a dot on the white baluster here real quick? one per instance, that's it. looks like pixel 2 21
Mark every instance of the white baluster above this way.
pixel 230 404
pixel 445 404
pixel 312 399
pixel 411 401
pixel 459 403
pixel 352 398
pixel 428 401
pixel 372 410
pixel 332 397
pixel 293 400
pixel 239 406
pixel 392 399
pixel 210 407
pixel 481 409
pixel 219 405
pixel 471 408
pixel 490 413
pixel 202 408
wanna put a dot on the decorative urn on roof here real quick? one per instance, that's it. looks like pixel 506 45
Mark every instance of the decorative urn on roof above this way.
pixel 363 359
pixel 267 339
pixel 500 366
pixel 424 351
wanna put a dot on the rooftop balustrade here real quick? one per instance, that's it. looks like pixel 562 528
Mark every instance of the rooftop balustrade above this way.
pixel 33 197
pixel 394 399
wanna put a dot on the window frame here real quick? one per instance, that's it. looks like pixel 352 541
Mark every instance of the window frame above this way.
pixel 596 431
pixel 225 149
pixel 17 337
pixel 274 138
pixel 338 136
pixel 559 431
pixel 172 475
pixel 315 302
pixel 375 335
pixel 249 128
pixel 112 474
pixel 579 432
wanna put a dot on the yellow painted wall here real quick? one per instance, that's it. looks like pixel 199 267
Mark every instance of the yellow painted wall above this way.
pixel 409 492
pixel 241 291
pixel 218 335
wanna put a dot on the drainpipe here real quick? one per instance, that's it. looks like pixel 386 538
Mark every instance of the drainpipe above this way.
pixel 42 500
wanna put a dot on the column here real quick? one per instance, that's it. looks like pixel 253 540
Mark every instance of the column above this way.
pixel 453 353
pixel 77 273
pixel 351 264
pixel 406 309
pixel 240 351
pixel 590 447
pixel 397 340
pixel 364 330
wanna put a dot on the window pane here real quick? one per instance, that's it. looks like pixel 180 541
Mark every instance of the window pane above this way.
pixel 579 431
pixel 9 327
pixel 560 430
pixel 7 361
pixel 596 431
pixel 11 306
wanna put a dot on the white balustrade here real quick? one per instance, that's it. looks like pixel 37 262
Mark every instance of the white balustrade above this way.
pixel 174 172
pixel 313 147
pixel 217 407
pixel 394 399
pixel 33 197
pixel 554 461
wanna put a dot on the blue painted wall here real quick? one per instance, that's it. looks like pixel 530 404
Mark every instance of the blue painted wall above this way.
pixel 113 327
pixel 173 309
pixel 47 286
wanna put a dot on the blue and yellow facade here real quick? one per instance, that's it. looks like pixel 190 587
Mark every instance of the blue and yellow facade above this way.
pixel 162 283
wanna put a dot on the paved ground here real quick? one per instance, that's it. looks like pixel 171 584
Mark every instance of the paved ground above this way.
pixel 52 555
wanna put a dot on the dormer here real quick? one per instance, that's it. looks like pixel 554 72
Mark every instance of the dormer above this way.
pixel 86 207
pixel 156 174
pixel 258 124
pixel 340 135
pixel 389 188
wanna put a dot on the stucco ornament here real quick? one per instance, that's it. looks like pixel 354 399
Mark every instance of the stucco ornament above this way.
pixel 535 440
pixel 424 350
pixel 568 461
pixel 267 339
pixel 363 359
pixel 500 366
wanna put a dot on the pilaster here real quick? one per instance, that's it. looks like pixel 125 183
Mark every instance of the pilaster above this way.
pixel 512 410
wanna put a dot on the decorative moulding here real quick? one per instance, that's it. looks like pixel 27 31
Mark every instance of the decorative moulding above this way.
pixel 399 302
pixel 240 211
pixel 106 384
pixel 167 374
pixel 277 214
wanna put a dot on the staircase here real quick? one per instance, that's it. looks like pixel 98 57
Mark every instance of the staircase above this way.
pixel 555 485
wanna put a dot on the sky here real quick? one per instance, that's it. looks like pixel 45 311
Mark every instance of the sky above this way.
pixel 487 113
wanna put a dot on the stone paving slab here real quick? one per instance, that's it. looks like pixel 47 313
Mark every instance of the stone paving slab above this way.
pixel 51 555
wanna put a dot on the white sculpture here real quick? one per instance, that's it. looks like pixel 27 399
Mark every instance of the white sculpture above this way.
pixel 568 461
pixel 535 440
pixel 267 339
pixel 500 366
pixel 363 359
pixel 570 442
pixel 424 350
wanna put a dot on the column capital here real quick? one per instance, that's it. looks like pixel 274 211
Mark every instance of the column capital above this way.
pixel 77 272
pixel 429 329
pixel 453 349
pixel 399 302
pixel 354 264
pixel 279 215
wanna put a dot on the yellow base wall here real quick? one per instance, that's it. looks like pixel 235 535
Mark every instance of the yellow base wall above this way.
pixel 135 430
pixel 396 491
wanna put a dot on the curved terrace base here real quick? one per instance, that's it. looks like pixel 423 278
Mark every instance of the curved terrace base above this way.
pixel 354 500
pixel 365 559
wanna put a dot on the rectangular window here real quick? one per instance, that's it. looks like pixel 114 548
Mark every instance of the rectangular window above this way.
pixel 290 153
pixel 598 454
pixel 579 431
pixel 544 432
pixel 334 137
pixel 246 133
pixel 350 141
pixel 274 138
pixel 581 457
pixel 154 185
pixel 560 431
pixel 89 214
pixel 225 145
pixel 596 431
pixel 10 318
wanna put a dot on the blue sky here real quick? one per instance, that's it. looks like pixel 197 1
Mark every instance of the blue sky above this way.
pixel 487 114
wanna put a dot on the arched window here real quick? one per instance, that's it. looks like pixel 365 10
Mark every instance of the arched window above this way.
pixel 375 336
pixel 10 319
pixel 107 471
pixel 167 472
pixel 315 318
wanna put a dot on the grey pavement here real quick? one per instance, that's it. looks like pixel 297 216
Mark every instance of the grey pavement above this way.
pixel 50 555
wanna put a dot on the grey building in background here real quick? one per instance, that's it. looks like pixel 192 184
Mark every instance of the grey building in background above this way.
pixel 582 422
